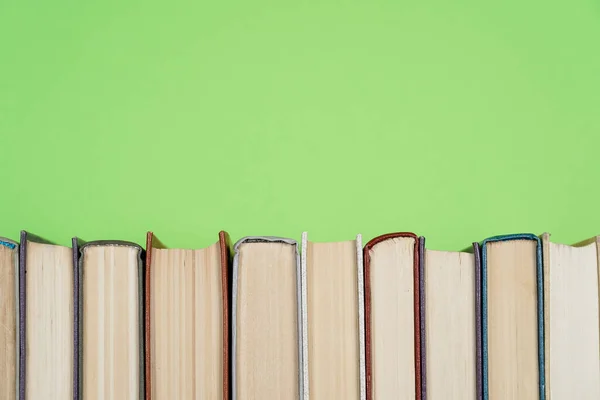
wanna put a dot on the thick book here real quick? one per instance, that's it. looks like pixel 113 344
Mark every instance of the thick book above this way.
pixel 266 315
pixel 333 359
pixel 392 278
pixel 451 304
pixel 47 297
pixel 110 327
pixel 9 318
pixel 572 319
pixel 512 309
pixel 187 321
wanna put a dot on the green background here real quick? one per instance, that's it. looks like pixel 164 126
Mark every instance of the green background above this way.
pixel 455 120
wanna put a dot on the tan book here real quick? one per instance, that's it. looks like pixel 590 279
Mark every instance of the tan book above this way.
pixel 187 331
pixel 9 313
pixel 112 329
pixel 46 314
pixel 572 317
pixel 46 320
pixel 333 320
pixel 266 345
pixel 513 318
pixel 451 352
pixel 393 317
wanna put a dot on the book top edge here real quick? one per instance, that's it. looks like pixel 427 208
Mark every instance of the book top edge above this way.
pixel 513 236
pixel 30 237
pixel 11 244
pixel 371 243
pixel 263 239
pixel 98 243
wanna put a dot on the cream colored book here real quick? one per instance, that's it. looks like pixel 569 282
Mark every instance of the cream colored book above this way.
pixel 9 313
pixel 392 311
pixel 112 331
pixel 47 299
pixel 333 320
pixel 267 335
pixel 513 318
pixel 451 318
pixel 187 321
pixel 572 317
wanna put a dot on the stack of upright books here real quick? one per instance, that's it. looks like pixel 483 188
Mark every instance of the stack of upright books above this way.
pixel 513 317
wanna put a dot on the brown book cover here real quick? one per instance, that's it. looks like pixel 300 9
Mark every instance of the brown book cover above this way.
pixel 225 254
pixel 417 309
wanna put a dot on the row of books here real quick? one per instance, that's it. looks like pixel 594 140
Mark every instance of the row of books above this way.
pixel 513 317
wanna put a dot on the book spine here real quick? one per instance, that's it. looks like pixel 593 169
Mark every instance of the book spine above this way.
pixel 76 320
pixel 22 314
pixel 226 265
pixel 361 317
pixel 304 320
pixel 478 322
pixel 423 356
pixel 147 298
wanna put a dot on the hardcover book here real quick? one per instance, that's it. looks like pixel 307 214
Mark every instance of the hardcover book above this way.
pixel 187 321
pixel 333 320
pixel 110 338
pixel 572 319
pixel 267 336
pixel 512 310
pixel 451 353
pixel 392 274
pixel 47 297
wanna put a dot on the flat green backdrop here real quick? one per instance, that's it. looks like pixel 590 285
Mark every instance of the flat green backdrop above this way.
pixel 456 120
